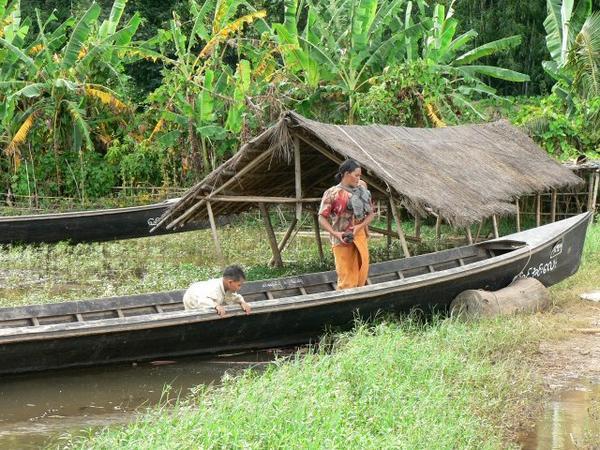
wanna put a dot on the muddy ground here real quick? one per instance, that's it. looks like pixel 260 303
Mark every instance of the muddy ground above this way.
pixel 566 361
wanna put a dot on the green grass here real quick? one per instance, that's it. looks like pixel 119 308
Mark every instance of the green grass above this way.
pixel 393 385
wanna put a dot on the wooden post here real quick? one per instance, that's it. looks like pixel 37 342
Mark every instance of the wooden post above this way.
pixel 215 236
pixel 318 236
pixel 591 182
pixel 389 228
pixel 495 225
pixel 399 230
pixel 596 186
pixel 285 239
pixel 538 210
pixel 438 227
pixel 469 236
pixel 553 212
pixel 271 235
pixel 478 231
pixel 298 178
pixel 418 226
pixel 518 215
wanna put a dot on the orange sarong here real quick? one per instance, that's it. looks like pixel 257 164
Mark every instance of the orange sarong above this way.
pixel 352 262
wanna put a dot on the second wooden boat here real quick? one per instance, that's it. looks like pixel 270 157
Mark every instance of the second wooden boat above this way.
pixel 88 226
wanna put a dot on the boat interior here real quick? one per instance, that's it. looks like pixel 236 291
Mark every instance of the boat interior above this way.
pixel 157 303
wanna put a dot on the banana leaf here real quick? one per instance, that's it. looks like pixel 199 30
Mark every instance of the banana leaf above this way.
pixel 495 72
pixel 487 49
pixel 79 35
pixel 109 26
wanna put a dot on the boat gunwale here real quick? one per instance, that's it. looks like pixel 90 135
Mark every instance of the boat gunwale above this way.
pixel 174 318
pixel 84 213
pixel 97 305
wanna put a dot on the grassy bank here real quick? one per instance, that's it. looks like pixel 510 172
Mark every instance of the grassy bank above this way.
pixel 397 384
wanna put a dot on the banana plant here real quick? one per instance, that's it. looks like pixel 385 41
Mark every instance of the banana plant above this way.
pixel 204 98
pixel 343 44
pixel 58 92
pixel 447 56
pixel 573 40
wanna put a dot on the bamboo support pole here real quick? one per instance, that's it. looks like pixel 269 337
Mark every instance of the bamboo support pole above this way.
pixel 538 210
pixel 495 225
pixel 393 234
pixel 215 235
pixel 258 199
pixel 553 211
pixel 469 236
pixel 318 236
pixel 518 207
pixel 285 239
pixel 418 226
pixel 591 182
pixel 271 235
pixel 478 231
pixel 298 178
pixel 438 227
pixel 399 230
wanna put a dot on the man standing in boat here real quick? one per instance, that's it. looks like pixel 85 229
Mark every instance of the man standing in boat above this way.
pixel 346 212
pixel 218 292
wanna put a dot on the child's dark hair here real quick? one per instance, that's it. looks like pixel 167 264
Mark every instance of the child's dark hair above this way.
pixel 235 273
pixel 349 165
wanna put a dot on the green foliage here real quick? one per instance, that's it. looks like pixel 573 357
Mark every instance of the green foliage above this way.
pixel 440 85
pixel 60 93
pixel 573 40
pixel 138 163
pixel 563 135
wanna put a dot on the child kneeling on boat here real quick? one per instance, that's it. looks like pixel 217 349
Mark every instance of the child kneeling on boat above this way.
pixel 218 292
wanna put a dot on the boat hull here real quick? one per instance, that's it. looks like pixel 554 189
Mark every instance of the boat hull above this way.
pixel 294 321
pixel 88 226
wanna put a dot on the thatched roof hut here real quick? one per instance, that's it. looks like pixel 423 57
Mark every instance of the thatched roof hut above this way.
pixel 464 173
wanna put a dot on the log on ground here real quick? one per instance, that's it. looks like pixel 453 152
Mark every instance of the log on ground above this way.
pixel 526 295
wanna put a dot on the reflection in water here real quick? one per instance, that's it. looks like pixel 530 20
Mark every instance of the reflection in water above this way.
pixel 571 421
pixel 39 407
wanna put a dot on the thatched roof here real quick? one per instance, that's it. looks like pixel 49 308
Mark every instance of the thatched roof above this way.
pixel 464 173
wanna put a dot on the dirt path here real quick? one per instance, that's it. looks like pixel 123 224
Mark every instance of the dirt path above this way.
pixel 565 362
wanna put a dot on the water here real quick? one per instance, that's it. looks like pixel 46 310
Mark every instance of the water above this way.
pixel 570 421
pixel 39 408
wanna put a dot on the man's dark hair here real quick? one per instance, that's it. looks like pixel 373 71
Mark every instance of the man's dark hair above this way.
pixel 349 165
pixel 235 273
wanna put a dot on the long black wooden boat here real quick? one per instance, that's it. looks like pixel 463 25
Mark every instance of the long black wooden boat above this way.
pixel 285 311
pixel 88 226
